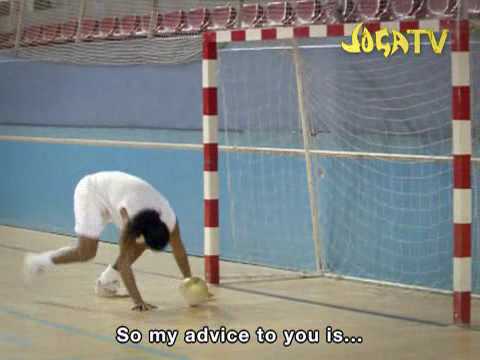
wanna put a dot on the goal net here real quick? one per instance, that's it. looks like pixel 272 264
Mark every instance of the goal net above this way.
pixel 338 163
pixel 102 32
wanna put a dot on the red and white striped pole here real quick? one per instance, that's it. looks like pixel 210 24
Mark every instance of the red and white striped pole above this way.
pixel 210 156
pixel 462 192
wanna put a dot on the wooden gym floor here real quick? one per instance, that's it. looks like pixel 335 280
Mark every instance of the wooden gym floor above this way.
pixel 60 318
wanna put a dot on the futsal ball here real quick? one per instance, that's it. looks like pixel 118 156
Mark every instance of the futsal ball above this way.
pixel 194 291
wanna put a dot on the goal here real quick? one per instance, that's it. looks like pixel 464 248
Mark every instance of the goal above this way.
pixel 352 164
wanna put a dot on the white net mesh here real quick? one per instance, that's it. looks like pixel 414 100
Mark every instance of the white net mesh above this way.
pixel 102 32
pixel 157 31
pixel 380 139
pixel 260 112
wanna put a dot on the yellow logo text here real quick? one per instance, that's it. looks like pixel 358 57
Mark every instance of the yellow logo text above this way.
pixel 390 43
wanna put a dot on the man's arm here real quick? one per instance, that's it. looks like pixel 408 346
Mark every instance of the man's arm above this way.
pixel 129 252
pixel 181 255
pixel 179 252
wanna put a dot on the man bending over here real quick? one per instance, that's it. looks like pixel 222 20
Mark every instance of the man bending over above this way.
pixel 145 220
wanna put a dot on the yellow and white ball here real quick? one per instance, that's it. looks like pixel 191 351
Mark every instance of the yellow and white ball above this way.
pixel 194 291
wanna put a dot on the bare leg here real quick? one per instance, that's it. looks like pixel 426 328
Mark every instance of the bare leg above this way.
pixel 36 264
pixel 85 250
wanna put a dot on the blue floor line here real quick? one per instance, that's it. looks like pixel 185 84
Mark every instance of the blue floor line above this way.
pixel 80 332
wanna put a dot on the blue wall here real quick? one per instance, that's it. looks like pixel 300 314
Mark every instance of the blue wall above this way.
pixel 47 175
pixel 42 93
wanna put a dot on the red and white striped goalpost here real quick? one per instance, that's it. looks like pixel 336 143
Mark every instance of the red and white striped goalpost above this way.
pixel 462 191
pixel 461 143
pixel 210 156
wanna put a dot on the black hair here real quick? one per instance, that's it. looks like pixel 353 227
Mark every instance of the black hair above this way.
pixel 154 230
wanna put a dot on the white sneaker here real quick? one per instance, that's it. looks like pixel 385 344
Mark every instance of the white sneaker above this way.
pixel 109 283
pixel 34 265
pixel 109 289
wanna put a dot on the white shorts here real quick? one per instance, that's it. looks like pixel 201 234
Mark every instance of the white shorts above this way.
pixel 90 215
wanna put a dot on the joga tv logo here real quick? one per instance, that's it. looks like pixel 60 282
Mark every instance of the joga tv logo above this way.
pixel 391 42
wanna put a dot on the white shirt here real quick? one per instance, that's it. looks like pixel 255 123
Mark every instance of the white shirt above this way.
pixel 115 190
